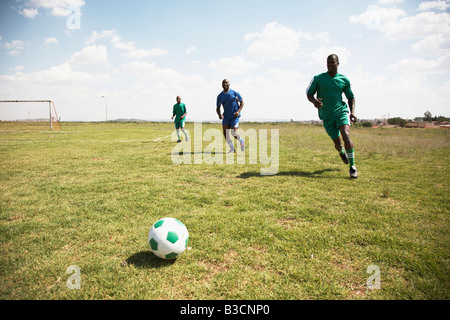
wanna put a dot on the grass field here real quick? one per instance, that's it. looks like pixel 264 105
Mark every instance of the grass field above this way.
pixel 87 196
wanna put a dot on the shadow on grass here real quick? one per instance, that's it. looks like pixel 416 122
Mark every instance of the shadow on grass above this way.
pixel 146 259
pixel 181 153
pixel 294 173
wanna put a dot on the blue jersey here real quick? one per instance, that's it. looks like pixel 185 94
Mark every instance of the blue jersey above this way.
pixel 229 101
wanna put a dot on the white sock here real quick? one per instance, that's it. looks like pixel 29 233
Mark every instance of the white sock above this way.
pixel 230 143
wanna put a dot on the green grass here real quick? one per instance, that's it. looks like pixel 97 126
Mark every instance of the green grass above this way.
pixel 88 195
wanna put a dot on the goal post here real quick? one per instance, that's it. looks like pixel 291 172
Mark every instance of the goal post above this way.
pixel 53 116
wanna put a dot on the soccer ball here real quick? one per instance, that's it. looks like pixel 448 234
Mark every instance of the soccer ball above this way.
pixel 168 238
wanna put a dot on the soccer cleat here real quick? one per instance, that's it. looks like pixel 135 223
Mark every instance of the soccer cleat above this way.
pixel 242 146
pixel 232 151
pixel 344 157
pixel 353 173
pixel 178 140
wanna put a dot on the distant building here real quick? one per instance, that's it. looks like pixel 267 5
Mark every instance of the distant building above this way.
pixel 420 124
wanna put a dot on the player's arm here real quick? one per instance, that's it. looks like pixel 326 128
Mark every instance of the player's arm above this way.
pixel 185 113
pixel 351 105
pixel 218 112
pixel 316 102
pixel 311 90
pixel 351 101
pixel 241 105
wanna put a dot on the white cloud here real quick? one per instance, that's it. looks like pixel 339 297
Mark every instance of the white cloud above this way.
pixel 150 71
pixel 433 44
pixel 57 75
pixel 97 36
pixel 89 55
pixel 275 94
pixel 379 18
pixel 232 66
pixel 422 67
pixel 395 23
pixel 18 68
pixel 30 12
pixel 119 44
pixel 409 94
pixel 131 51
pixel 154 90
pixel 138 54
pixel 389 2
pixel 319 56
pixel 74 92
pixel 431 5
pixel 134 53
pixel 418 26
pixel 56 7
pixel 190 50
pixel 51 41
pixel 277 42
pixel 431 28
pixel 14 47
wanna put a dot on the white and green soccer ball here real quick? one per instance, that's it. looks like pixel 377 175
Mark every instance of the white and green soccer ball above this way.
pixel 168 238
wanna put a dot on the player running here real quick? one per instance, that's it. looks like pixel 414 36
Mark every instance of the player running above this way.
pixel 333 111
pixel 232 103
pixel 179 112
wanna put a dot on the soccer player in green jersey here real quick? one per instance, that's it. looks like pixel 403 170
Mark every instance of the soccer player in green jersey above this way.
pixel 333 111
pixel 179 113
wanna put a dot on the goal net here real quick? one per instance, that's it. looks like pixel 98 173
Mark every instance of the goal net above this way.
pixel 29 114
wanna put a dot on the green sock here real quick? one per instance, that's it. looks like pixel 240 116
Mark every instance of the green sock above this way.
pixel 351 156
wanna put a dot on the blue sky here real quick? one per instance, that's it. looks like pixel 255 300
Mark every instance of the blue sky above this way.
pixel 139 55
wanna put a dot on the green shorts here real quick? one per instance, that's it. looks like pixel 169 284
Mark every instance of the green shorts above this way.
pixel 179 124
pixel 332 125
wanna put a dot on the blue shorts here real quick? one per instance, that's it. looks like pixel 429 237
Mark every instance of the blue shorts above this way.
pixel 231 121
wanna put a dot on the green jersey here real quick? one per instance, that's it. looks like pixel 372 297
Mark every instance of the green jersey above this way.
pixel 330 90
pixel 179 109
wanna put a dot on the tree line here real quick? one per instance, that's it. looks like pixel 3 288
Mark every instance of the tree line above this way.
pixel 427 117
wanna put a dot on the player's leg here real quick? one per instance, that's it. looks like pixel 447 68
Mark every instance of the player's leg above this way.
pixel 349 148
pixel 234 126
pixel 338 146
pixel 226 133
pixel 335 135
pixel 177 128
pixel 345 132
pixel 184 131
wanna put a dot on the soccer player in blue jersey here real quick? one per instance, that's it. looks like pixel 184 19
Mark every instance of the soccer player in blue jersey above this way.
pixel 333 111
pixel 232 103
